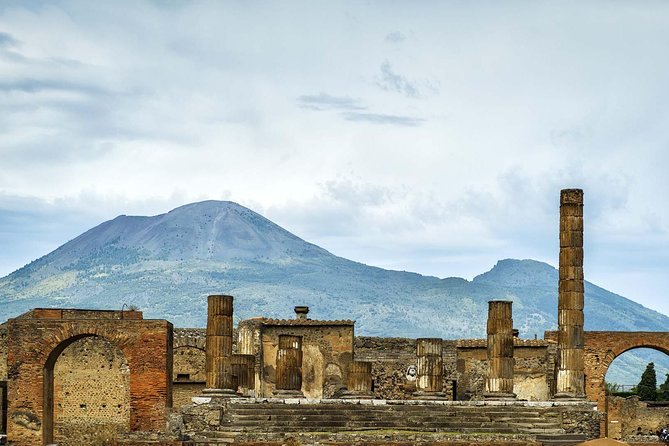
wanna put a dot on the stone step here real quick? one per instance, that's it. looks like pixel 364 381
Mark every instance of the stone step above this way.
pixel 560 439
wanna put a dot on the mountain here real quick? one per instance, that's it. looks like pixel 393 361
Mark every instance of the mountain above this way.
pixel 167 264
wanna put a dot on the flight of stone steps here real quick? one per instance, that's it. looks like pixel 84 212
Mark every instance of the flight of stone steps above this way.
pixel 270 418
pixel 281 417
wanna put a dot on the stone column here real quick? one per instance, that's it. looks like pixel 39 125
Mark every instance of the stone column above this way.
pixel 430 373
pixel 570 381
pixel 359 380
pixel 218 356
pixel 499 382
pixel 289 366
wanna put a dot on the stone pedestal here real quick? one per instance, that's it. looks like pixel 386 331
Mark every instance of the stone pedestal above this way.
pixel 499 382
pixel 430 369
pixel 289 367
pixel 218 356
pixel 570 379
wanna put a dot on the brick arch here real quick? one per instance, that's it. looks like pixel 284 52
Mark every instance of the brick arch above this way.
pixel 602 347
pixel 35 341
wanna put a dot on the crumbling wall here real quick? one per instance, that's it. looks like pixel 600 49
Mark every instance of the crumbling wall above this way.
pixel 532 367
pixel 629 418
pixel 393 363
pixel 91 393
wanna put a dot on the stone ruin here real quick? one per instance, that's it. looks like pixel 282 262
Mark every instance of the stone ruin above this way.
pixel 111 377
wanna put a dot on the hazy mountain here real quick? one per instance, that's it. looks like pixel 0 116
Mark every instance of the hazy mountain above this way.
pixel 169 263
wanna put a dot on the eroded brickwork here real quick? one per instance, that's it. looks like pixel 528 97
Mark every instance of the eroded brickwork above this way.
pixel 91 393
pixel 34 344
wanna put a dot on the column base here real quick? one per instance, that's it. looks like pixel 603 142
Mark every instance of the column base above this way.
pixel 219 393
pixel 282 393
pixel 424 395
pixel 490 396
pixel 568 396
pixel 353 395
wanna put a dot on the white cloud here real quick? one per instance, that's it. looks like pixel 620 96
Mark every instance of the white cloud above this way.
pixel 486 110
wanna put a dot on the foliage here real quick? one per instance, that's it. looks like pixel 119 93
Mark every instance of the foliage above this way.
pixel 647 387
pixel 663 393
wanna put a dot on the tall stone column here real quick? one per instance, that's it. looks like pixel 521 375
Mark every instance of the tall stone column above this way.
pixel 570 381
pixel 218 356
pixel 499 382
pixel 430 373
pixel 289 366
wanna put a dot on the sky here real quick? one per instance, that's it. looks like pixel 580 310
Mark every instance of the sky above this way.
pixel 431 137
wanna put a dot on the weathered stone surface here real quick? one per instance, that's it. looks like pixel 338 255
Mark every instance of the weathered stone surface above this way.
pixel 569 380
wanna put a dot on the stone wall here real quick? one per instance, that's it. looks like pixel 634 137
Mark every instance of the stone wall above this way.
pixel 391 359
pixel 327 349
pixel 3 352
pixel 531 369
pixel 629 418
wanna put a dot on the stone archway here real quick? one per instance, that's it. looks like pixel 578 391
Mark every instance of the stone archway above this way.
pixel 36 339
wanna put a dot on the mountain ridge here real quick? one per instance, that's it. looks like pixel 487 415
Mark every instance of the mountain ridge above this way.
pixel 167 264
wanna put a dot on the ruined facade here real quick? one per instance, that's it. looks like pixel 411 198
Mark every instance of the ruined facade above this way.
pixel 43 392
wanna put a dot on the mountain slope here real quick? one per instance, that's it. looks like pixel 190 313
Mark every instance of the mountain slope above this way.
pixel 168 263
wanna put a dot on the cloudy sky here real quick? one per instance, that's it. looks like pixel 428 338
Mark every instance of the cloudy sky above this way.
pixel 424 136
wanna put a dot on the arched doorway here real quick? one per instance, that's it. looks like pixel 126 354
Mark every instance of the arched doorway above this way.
pixel 36 340
pixel 90 403
pixel 628 415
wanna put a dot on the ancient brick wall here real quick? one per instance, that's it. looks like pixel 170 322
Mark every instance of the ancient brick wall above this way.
pixel 602 347
pixel 34 342
pixel 327 350
pixel 91 393
pixel 629 418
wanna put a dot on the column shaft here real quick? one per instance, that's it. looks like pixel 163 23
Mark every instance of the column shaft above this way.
pixel 218 362
pixel 570 382
pixel 499 382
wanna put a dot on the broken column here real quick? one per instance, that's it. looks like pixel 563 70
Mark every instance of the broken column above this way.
pixel 430 373
pixel 218 356
pixel 570 381
pixel 289 366
pixel 499 382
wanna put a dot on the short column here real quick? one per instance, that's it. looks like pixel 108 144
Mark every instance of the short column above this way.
pixel 499 382
pixel 218 356
pixel 430 370
pixel 289 367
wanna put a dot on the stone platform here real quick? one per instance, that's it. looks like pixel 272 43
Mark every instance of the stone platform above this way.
pixel 364 421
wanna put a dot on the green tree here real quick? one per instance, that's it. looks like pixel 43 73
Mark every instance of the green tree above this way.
pixel 647 387
pixel 663 394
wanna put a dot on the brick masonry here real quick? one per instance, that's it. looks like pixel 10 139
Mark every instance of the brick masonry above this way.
pixel 35 342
